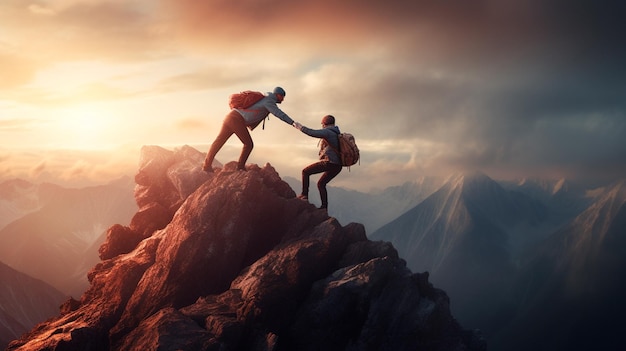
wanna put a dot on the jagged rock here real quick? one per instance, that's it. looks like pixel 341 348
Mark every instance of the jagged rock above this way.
pixel 69 305
pixel 363 251
pixel 120 240
pixel 149 219
pixel 375 305
pixel 164 180
pixel 168 329
pixel 241 264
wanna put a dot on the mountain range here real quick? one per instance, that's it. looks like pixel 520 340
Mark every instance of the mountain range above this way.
pixel 523 251
pixel 458 234
pixel 19 197
pixel 508 253
pixel 24 302
pixel 236 262
pixel 53 233
pixel 570 287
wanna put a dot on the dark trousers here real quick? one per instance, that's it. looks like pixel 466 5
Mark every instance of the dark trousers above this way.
pixel 233 124
pixel 330 171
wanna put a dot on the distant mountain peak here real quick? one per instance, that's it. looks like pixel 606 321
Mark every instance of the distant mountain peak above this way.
pixel 550 186
pixel 560 184
pixel 472 184
pixel 16 182
pixel 233 260
pixel 596 219
pixel 468 177
pixel 24 302
pixel 582 268
pixel 619 189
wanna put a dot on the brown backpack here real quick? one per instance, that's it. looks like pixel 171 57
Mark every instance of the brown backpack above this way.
pixel 348 151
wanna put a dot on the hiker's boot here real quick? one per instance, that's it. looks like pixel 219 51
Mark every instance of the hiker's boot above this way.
pixel 303 197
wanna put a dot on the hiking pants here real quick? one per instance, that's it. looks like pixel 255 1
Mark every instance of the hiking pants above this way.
pixel 233 124
pixel 330 171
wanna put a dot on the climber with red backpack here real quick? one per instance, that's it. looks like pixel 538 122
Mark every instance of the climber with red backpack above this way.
pixel 331 160
pixel 248 110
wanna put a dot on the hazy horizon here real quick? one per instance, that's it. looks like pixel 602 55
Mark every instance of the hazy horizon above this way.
pixel 513 89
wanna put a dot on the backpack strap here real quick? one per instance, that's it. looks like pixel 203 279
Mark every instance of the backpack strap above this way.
pixel 338 148
pixel 268 117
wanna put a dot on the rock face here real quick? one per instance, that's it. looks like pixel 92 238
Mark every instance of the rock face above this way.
pixel 233 261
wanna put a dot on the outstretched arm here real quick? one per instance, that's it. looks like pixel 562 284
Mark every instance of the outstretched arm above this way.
pixel 316 133
pixel 273 109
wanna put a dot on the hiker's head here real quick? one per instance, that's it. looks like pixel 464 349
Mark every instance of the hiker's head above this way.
pixel 280 94
pixel 328 120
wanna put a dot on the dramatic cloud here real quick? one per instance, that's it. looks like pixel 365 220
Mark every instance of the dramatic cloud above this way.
pixel 510 87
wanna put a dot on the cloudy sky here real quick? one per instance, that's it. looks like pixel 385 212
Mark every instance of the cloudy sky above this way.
pixel 428 87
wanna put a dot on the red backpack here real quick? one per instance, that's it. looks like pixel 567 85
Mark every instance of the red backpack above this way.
pixel 244 99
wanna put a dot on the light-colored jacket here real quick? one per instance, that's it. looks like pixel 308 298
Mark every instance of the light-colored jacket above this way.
pixel 328 135
pixel 256 113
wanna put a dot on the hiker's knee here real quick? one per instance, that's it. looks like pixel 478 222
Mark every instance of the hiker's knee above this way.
pixel 248 145
pixel 321 185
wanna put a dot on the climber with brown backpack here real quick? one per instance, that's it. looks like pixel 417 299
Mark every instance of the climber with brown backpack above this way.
pixel 332 156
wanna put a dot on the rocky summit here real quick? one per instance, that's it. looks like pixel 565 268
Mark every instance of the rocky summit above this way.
pixel 234 261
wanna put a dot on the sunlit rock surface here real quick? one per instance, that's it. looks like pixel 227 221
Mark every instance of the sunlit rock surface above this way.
pixel 233 261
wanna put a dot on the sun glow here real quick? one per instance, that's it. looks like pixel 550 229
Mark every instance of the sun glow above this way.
pixel 85 126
